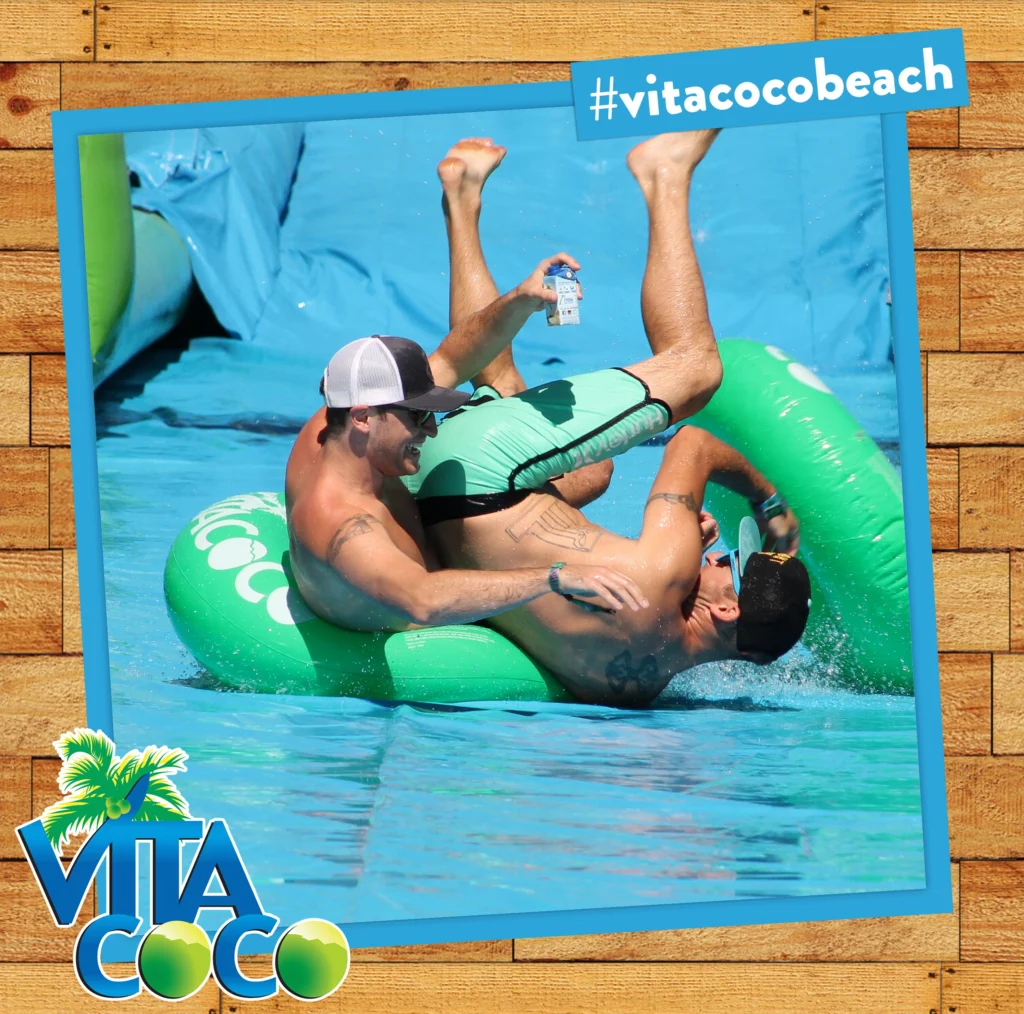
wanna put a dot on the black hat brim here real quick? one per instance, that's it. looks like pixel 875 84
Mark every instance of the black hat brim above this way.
pixel 437 399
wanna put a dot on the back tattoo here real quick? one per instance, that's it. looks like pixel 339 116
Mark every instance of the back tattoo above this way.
pixel 553 522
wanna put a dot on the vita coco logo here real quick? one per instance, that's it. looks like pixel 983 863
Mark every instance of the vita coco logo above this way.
pixel 124 801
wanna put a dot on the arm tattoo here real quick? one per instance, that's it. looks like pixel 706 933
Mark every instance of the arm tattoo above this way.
pixel 358 524
pixel 686 499
pixel 555 524
pixel 622 670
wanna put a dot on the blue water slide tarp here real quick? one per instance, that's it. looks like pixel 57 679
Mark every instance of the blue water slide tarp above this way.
pixel 305 237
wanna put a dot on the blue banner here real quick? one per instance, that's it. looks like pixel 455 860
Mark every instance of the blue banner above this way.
pixel 770 84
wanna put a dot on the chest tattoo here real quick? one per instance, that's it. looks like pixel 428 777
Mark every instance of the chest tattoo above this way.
pixel 624 670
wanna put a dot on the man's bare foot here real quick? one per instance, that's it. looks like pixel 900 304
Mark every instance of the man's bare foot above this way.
pixel 668 152
pixel 466 167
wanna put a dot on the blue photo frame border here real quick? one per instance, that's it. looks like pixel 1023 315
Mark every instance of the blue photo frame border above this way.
pixel 935 897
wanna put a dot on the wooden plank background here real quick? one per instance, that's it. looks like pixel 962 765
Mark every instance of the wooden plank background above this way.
pixel 968 179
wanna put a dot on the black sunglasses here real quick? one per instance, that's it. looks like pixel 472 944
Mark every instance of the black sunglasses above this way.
pixel 420 416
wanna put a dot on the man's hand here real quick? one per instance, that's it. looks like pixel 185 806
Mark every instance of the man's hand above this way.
pixel 531 290
pixel 782 533
pixel 603 583
pixel 708 530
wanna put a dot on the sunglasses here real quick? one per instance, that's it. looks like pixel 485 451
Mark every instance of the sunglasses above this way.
pixel 420 416
pixel 733 560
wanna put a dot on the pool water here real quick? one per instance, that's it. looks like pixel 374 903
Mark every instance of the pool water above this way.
pixel 739 783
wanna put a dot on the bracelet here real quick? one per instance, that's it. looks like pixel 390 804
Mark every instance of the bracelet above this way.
pixel 553 577
pixel 770 508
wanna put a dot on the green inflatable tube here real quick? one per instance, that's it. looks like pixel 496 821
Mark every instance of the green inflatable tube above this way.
pixel 847 497
pixel 233 602
pixel 109 238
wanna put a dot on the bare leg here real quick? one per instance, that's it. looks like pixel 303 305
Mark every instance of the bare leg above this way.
pixel 686 369
pixel 463 172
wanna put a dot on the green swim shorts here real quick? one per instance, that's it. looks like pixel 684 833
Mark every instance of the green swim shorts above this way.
pixel 492 452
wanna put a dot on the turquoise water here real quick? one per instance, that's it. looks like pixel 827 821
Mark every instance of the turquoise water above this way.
pixel 741 783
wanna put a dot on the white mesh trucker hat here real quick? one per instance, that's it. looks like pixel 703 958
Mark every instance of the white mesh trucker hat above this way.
pixel 384 370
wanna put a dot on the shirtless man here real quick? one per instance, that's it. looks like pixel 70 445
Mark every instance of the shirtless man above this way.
pixel 357 545
pixel 483 486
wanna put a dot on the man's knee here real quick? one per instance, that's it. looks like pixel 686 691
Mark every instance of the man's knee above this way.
pixel 710 381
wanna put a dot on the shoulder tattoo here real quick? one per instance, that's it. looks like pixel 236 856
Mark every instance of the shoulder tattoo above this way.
pixel 685 499
pixel 624 670
pixel 358 524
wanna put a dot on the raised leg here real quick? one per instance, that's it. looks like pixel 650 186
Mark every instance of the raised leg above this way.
pixel 463 172
pixel 685 370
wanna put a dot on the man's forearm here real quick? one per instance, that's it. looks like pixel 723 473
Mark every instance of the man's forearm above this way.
pixel 475 341
pixel 464 596
pixel 728 468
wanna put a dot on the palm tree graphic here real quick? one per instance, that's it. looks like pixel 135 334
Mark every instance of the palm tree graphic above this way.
pixel 99 786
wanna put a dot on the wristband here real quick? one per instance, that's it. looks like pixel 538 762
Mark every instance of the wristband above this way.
pixel 770 508
pixel 553 577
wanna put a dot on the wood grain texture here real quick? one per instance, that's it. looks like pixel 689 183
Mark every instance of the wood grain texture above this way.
pixel 29 92
pixel 15 802
pixel 986 807
pixel 933 128
pixel 992 301
pixel 479 950
pixel 982 988
pixel 967 200
pixel 992 31
pixel 425 30
pixel 995 117
pixel 30 602
pixel 944 496
pixel 90 86
pixel 967 701
pixel 62 501
pixel 24 497
pixel 525 988
pixel 49 401
pixel 972 601
pixel 992 911
pixel 975 399
pixel 991 497
pixel 1008 704
pixel 1017 602
pixel 30 310
pixel 27 932
pixel 46 30
pixel 916 938
pixel 14 400
pixel 938 299
pixel 40 988
pixel 43 697
pixel 71 621
pixel 28 208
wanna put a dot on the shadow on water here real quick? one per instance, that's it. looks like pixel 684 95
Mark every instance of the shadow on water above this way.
pixel 204 680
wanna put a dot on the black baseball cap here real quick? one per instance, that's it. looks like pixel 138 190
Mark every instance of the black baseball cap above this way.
pixel 385 370
pixel 775 601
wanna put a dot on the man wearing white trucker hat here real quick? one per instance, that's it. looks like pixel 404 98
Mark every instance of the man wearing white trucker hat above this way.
pixel 358 550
